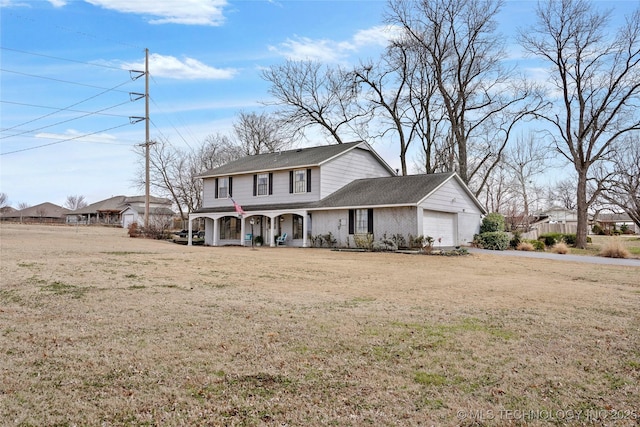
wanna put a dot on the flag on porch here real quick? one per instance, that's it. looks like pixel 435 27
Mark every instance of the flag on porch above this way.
pixel 237 207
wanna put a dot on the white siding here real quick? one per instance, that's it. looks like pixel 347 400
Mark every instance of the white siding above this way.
pixel 392 221
pixel 468 225
pixel 355 164
pixel 451 197
pixel 336 222
pixel 387 221
pixel 243 191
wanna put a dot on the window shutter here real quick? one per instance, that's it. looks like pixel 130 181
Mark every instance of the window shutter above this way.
pixel 255 185
pixel 370 221
pixel 270 183
pixel 308 180
pixel 290 181
pixel 230 187
pixel 216 195
pixel 351 221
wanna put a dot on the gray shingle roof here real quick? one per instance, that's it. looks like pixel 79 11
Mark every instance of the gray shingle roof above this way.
pixel 387 191
pixel 312 156
pixel 116 204
pixel 45 210
pixel 256 208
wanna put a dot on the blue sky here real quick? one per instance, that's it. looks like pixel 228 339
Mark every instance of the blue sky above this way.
pixel 65 84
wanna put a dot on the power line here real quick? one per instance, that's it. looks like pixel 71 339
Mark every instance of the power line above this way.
pixel 58 109
pixel 64 121
pixel 58 80
pixel 63 140
pixel 70 30
pixel 65 108
pixel 60 58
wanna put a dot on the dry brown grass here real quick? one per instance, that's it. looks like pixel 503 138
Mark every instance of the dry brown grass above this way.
pixel 100 329
pixel 525 246
pixel 560 248
pixel 614 249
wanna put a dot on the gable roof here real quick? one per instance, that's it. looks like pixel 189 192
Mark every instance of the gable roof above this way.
pixel 152 210
pixel 44 210
pixel 116 204
pixel 391 191
pixel 297 158
pixel 614 217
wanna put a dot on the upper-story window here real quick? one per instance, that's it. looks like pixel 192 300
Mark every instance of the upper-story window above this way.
pixel 300 181
pixel 223 187
pixel 263 184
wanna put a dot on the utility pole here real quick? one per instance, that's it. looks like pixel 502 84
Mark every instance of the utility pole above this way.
pixel 146 140
pixel 134 97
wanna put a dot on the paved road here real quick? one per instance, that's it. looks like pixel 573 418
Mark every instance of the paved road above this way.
pixel 558 257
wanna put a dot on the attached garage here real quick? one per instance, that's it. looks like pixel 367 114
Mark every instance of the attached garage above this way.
pixel 128 219
pixel 440 225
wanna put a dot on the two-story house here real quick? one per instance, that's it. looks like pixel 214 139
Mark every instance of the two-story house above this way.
pixel 344 189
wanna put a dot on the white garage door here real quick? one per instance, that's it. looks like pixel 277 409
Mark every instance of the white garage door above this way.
pixel 440 225
pixel 128 219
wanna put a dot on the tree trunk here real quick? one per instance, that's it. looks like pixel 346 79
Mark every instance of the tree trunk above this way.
pixel 581 232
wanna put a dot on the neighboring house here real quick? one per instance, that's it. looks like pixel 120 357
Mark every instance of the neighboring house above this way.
pixel 615 221
pixel 554 220
pixel 122 211
pixel 48 213
pixel 344 189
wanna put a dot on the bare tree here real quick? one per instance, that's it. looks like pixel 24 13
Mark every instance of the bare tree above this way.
pixel 482 100
pixel 400 94
pixel 597 79
pixel 23 205
pixel 173 172
pixel 74 202
pixel 525 160
pixel 4 200
pixel 261 133
pixel 563 193
pixel 622 189
pixel 310 94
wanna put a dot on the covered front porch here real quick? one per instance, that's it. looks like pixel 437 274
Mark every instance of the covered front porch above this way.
pixel 263 227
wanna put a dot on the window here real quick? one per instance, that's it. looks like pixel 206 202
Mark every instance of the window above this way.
pixel 263 184
pixel 230 228
pixel 223 188
pixel 298 227
pixel 300 181
pixel 360 221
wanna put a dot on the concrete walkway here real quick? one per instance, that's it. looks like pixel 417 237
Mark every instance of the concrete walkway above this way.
pixel 558 257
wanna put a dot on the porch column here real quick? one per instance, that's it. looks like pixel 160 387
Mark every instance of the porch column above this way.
pixel 216 231
pixel 305 228
pixel 242 231
pixel 190 237
pixel 272 237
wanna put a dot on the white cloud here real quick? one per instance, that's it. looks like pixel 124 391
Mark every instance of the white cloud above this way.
pixel 379 35
pixel 11 3
pixel 188 12
pixel 174 68
pixel 77 136
pixel 58 3
pixel 325 50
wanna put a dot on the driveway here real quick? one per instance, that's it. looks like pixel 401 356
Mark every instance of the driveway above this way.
pixel 558 257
